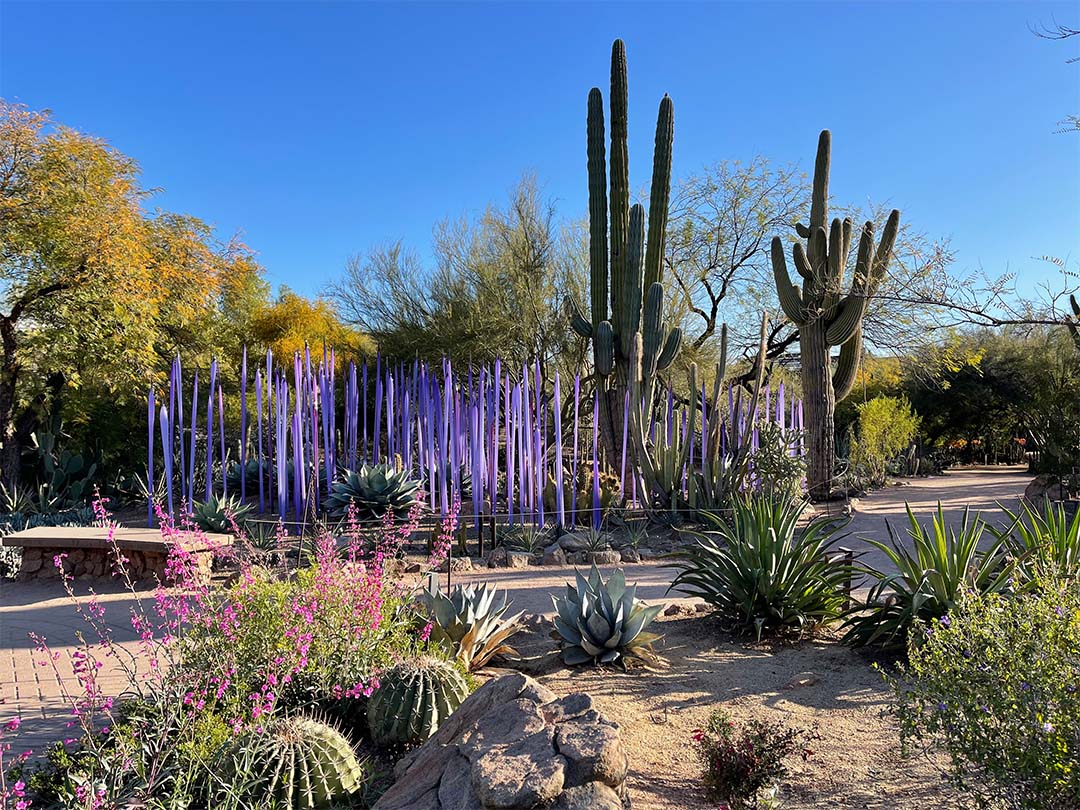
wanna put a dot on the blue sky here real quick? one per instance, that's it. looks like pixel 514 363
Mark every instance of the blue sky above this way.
pixel 321 130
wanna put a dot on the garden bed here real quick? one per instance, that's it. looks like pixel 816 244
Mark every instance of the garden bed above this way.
pixel 817 684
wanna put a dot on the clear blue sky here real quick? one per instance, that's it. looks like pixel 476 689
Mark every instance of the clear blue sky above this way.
pixel 321 130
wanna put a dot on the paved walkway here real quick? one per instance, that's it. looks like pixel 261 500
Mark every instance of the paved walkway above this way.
pixel 35 692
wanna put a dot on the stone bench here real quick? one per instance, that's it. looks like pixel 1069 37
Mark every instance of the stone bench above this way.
pixel 90 552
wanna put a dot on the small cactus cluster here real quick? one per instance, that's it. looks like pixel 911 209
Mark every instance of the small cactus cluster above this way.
pixel 373 491
pixel 297 763
pixel 413 699
pixel 603 623
pixel 470 622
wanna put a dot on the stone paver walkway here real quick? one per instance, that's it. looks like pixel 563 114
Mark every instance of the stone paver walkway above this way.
pixel 36 693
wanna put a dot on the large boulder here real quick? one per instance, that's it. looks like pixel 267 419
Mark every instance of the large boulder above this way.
pixel 513 745
pixel 1045 487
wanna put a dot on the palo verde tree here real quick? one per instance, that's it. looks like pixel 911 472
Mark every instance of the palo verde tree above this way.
pixel 625 262
pixel 825 316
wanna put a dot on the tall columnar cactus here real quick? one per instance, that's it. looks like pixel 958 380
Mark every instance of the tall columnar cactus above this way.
pixel 625 262
pixel 825 316
pixel 1073 321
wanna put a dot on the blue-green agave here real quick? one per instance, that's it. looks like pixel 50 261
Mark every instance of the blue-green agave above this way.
pixel 603 623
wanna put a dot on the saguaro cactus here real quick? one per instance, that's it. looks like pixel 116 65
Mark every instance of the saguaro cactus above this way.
pixel 625 264
pixel 825 316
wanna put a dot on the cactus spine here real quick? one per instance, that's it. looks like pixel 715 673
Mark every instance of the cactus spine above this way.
pixel 413 699
pixel 298 762
pixel 825 316
pixel 625 257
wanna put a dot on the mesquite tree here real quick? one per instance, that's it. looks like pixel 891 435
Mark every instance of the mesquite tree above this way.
pixel 825 316
pixel 626 263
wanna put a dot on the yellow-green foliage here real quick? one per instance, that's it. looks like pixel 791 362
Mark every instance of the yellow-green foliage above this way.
pixel 886 426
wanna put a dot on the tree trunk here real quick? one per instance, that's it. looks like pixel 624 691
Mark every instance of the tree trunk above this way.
pixel 819 404
pixel 11 452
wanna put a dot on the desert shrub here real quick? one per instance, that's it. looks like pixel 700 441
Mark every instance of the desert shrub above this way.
pixel 886 426
pixel 927 580
pixel 760 573
pixel 994 685
pixel 743 766
pixel 778 472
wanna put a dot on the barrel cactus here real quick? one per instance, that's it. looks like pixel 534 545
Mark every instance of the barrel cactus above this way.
pixel 470 622
pixel 603 623
pixel 296 762
pixel 374 491
pixel 414 697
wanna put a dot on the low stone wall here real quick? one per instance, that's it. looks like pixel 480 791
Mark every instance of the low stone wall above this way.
pixel 514 745
pixel 141 565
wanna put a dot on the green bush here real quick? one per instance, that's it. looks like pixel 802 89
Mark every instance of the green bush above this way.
pixel 778 472
pixel 994 686
pixel 886 426
pixel 760 573
pixel 927 580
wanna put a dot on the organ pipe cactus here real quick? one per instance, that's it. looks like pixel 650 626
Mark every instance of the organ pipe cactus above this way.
pixel 825 315
pixel 603 623
pixel 297 762
pixel 625 256
pixel 413 699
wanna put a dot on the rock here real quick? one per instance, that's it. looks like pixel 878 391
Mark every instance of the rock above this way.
pixel 590 796
pixel 802 680
pixel 573 542
pixel 497 557
pixel 456 564
pixel 608 557
pixel 412 568
pixel 513 745
pixel 593 753
pixel 646 554
pixel 30 564
pixel 1043 487
pixel 672 610
pixel 630 555
pixel 553 555
pixel 702 607
pixel 518 559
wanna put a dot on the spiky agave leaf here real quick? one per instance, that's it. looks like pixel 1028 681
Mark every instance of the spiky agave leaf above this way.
pixel 471 624
pixel 601 622
pixel 373 491
pixel 220 515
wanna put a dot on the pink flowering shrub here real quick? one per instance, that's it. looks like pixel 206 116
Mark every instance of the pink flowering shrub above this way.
pixel 214 662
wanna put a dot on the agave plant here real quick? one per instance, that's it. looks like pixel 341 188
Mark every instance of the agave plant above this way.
pixel 928 579
pixel 760 573
pixel 528 538
pixel 222 515
pixel 603 623
pixel 373 491
pixel 1045 543
pixel 469 622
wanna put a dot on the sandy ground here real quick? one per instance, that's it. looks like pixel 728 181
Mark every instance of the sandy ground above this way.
pixel 856 763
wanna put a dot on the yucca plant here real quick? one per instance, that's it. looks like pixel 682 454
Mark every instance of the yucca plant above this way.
pixel 928 579
pixel 470 622
pixel 374 491
pixel 760 573
pixel 1045 543
pixel 220 514
pixel 603 623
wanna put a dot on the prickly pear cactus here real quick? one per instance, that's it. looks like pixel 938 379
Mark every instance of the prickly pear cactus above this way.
pixel 413 699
